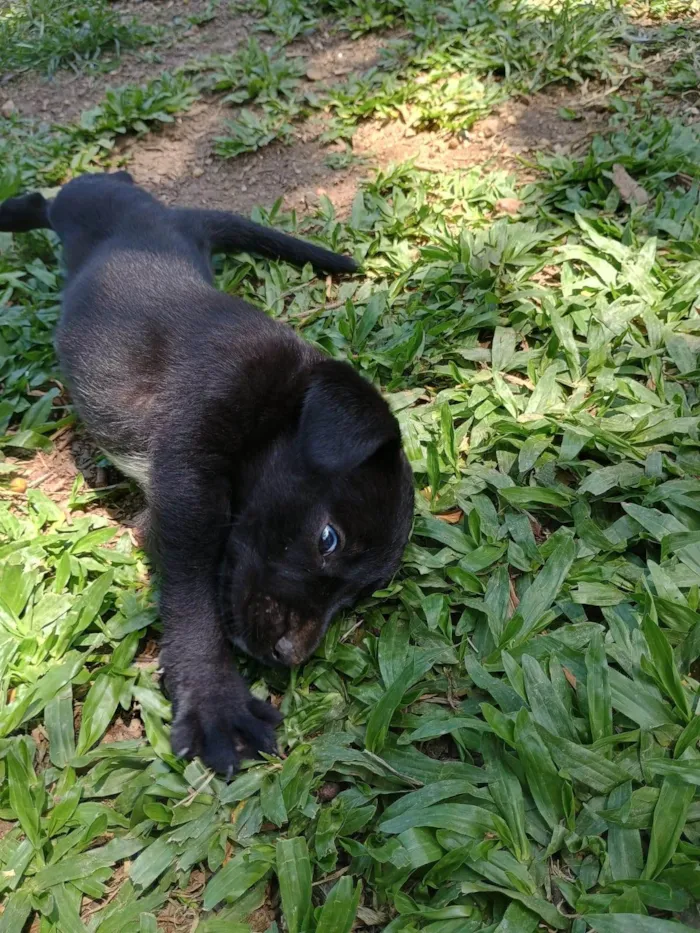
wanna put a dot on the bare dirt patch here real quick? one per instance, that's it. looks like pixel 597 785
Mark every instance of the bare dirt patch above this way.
pixel 180 166
pixel 179 163
pixel 330 56
pixel 559 119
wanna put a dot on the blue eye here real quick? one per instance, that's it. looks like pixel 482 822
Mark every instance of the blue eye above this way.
pixel 329 540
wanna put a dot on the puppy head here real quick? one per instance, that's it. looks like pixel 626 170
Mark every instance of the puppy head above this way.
pixel 327 515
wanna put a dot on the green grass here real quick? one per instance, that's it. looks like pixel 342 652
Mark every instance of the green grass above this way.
pixel 506 739
pixel 51 34
pixel 135 108
pixel 457 63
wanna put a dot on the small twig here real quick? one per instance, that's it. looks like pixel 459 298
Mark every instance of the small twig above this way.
pixel 38 480
pixel 301 318
pixel 89 911
pixel 196 791
pixel 336 874
pixel 61 431
pixel 344 638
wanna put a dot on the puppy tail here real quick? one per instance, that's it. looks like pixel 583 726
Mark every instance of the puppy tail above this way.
pixel 230 233
pixel 25 212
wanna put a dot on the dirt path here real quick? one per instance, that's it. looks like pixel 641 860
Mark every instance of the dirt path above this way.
pixel 179 164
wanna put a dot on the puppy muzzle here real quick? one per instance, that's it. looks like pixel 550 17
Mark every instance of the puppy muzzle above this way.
pixel 278 634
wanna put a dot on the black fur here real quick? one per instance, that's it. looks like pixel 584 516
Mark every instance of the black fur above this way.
pixel 247 440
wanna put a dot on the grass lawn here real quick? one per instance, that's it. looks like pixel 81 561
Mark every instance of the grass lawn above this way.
pixel 506 739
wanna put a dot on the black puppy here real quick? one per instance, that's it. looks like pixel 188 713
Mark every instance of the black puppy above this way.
pixel 276 483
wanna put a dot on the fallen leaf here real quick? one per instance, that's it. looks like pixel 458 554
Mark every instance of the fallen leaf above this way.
pixel 630 191
pixel 451 517
pixel 508 205
pixel 518 381
pixel 514 599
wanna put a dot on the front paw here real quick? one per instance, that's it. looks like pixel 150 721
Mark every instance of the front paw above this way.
pixel 218 720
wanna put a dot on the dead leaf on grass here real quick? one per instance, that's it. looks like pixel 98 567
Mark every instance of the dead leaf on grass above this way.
pixel 452 518
pixel 630 191
pixel 513 600
pixel 508 206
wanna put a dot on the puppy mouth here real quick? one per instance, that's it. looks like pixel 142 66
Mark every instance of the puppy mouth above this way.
pixel 279 634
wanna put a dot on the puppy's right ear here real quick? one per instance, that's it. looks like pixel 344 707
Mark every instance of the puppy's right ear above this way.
pixel 344 420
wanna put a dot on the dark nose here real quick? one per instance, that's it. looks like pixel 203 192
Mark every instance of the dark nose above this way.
pixel 285 652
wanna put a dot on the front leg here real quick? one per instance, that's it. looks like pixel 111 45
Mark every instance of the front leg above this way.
pixel 215 716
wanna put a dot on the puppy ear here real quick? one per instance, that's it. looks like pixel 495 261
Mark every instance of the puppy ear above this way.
pixel 344 420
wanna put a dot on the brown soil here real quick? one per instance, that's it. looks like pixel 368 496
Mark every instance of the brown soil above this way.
pixel 54 472
pixel 120 731
pixel 179 163
pixel 180 166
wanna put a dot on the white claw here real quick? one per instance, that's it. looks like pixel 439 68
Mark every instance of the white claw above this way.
pixel 183 753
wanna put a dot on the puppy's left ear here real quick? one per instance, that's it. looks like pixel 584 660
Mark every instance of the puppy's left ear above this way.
pixel 344 420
